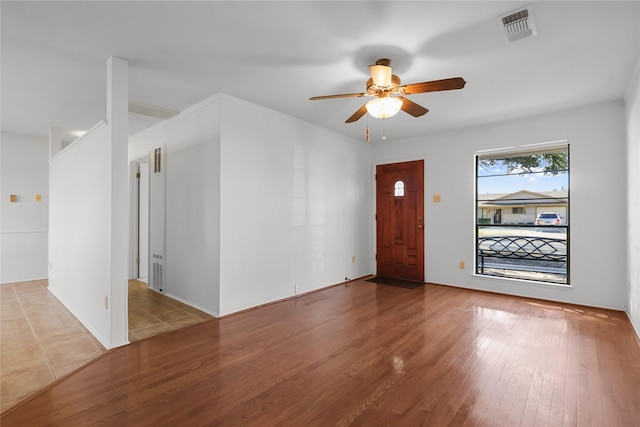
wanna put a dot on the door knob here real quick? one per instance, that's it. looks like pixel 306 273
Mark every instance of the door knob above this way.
pixel 419 226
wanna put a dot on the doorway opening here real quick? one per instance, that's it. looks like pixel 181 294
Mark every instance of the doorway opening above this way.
pixel 150 311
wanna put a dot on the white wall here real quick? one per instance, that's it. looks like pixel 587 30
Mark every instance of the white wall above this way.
pixel 24 225
pixel 193 224
pixel 598 251
pixel 80 241
pixel 295 207
pixel 633 197
pixel 89 219
pixel 259 203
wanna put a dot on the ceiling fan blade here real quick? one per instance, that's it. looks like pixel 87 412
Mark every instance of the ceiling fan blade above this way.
pixel 412 108
pixel 433 86
pixel 342 95
pixel 361 112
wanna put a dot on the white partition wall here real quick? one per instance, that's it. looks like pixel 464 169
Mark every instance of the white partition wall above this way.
pixel 79 251
pixel 88 220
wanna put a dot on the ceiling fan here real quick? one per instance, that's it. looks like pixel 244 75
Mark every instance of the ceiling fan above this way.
pixel 386 89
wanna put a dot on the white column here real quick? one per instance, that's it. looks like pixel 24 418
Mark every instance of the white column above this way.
pixel 118 122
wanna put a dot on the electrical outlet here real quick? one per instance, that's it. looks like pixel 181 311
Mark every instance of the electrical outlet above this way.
pixel 106 302
pixel 461 265
pixel 353 259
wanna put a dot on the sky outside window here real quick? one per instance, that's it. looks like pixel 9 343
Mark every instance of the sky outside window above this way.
pixel 500 176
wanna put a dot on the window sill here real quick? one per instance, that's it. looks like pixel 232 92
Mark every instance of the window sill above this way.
pixel 522 281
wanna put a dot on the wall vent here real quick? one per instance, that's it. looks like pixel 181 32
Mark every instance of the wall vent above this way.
pixel 157 273
pixel 157 160
pixel 519 24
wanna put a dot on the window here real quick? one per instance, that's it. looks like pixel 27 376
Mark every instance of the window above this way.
pixel 522 210
pixel 398 189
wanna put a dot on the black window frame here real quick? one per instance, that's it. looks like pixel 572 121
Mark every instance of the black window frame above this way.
pixel 483 224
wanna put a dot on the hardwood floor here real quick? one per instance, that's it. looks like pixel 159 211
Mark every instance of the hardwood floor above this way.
pixel 365 354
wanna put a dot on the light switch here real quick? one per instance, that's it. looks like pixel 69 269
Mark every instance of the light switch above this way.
pixel 436 198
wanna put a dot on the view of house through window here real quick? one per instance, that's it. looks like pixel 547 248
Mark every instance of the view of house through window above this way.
pixel 522 210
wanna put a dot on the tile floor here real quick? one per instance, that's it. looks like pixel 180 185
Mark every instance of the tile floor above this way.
pixel 151 313
pixel 40 340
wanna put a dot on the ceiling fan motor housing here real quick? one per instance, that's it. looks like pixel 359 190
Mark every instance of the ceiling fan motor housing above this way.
pixel 373 89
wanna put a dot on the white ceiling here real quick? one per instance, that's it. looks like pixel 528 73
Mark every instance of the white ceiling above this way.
pixel 278 54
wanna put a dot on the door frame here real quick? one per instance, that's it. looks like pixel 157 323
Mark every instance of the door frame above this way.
pixel 423 259
pixel 134 232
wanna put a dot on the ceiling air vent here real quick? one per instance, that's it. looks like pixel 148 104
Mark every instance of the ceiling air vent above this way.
pixel 519 24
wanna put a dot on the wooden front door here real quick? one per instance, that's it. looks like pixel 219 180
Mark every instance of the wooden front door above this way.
pixel 400 220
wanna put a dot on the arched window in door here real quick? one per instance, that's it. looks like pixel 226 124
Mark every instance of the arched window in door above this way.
pixel 398 189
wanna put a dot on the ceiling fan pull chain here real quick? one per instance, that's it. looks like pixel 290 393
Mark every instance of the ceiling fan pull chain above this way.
pixel 367 131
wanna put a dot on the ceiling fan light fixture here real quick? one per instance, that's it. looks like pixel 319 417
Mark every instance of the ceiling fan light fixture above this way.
pixel 383 108
pixel 381 75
